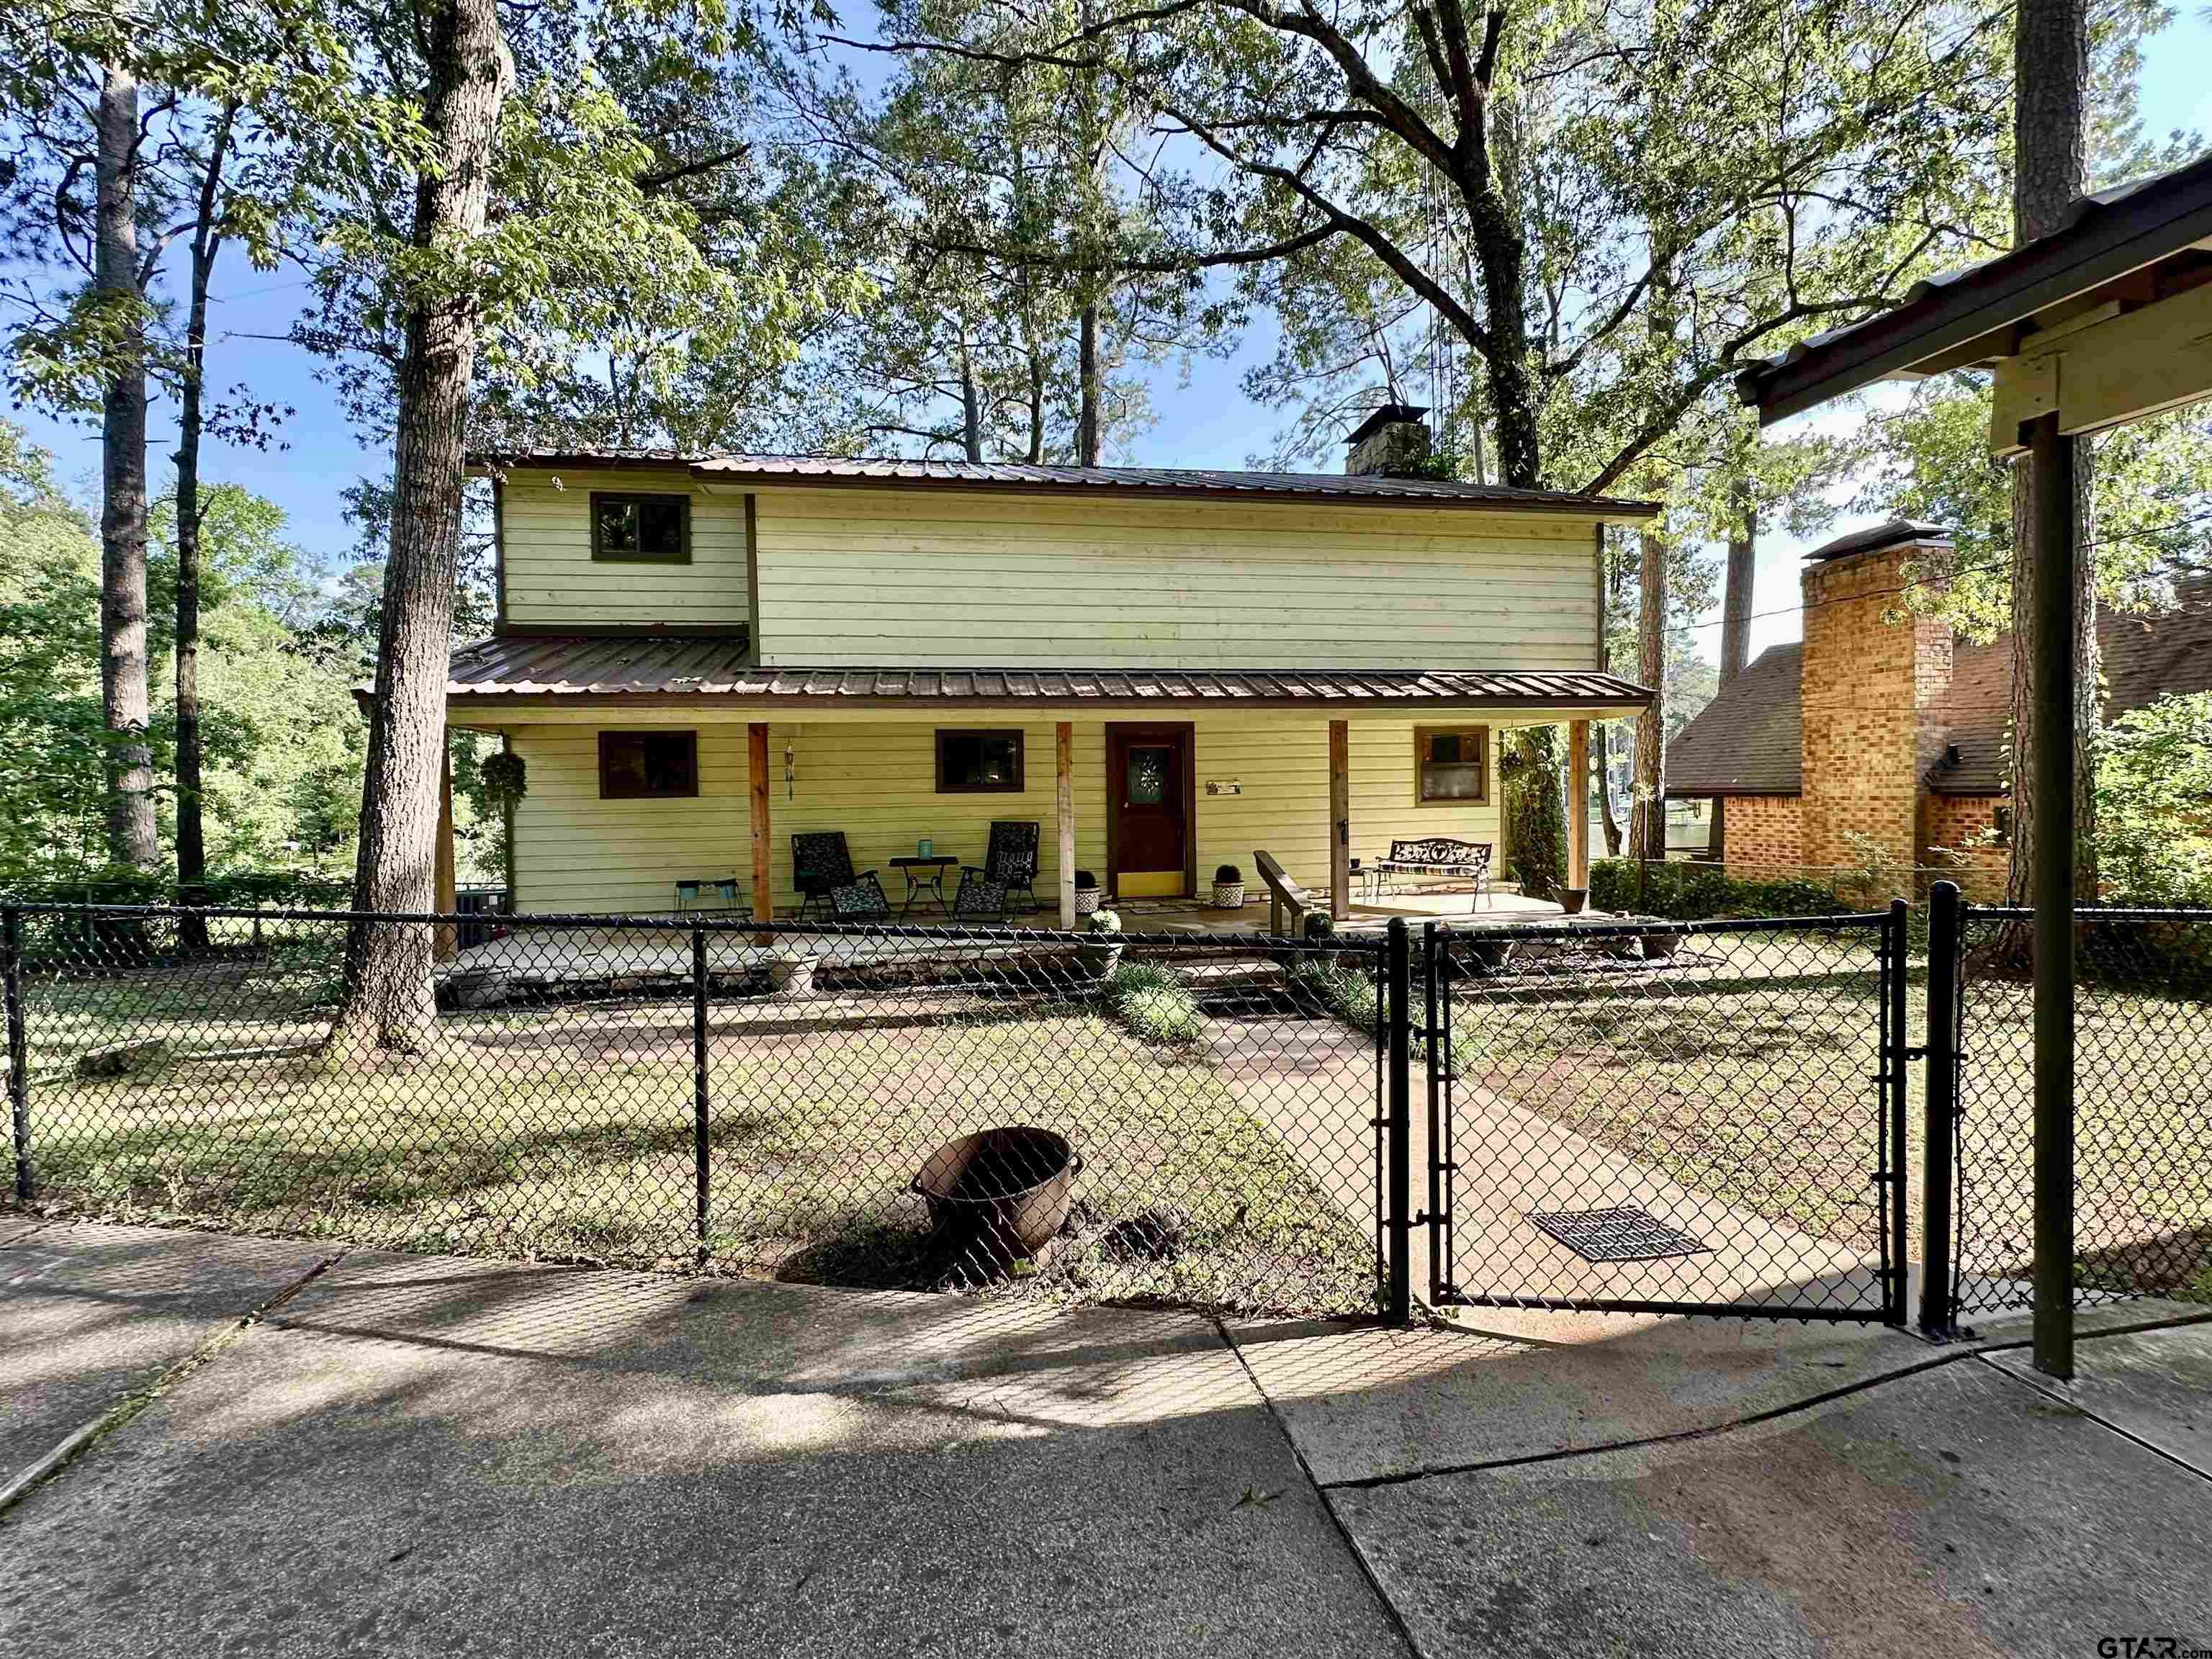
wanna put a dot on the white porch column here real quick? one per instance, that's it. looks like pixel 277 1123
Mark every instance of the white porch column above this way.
pixel 1063 767
pixel 1339 820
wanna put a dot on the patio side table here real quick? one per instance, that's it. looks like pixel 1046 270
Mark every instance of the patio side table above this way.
pixel 925 876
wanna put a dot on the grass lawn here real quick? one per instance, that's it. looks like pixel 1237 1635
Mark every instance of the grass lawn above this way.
pixel 565 1130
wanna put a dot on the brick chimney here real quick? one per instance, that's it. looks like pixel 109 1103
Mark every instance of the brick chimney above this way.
pixel 1874 678
pixel 1393 441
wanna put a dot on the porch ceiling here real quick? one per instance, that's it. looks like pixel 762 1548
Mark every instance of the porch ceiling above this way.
pixel 543 673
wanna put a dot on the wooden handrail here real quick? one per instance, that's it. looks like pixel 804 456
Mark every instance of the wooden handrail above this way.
pixel 1282 892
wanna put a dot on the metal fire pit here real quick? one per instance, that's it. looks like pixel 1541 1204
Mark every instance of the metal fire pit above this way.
pixel 1006 1192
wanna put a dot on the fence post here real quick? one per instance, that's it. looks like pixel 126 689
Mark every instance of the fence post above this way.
pixel 700 1094
pixel 1438 1026
pixel 19 1052
pixel 1940 1120
pixel 1399 983
pixel 1897 1068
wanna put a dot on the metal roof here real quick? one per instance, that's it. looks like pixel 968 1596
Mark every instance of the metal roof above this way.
pixel 666 667
pixel 1016 478
pixel 1895 532
pixel 2105 235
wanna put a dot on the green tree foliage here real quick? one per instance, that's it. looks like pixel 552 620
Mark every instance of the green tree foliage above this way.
pixel 2155 802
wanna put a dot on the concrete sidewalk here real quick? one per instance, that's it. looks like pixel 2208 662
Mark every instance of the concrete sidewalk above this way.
pixel 418 1454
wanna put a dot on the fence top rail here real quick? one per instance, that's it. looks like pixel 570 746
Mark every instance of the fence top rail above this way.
pixel 1850 922
pixel 2094 913
pixel 615 922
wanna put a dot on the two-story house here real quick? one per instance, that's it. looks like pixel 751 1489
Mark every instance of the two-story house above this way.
pixel 698 657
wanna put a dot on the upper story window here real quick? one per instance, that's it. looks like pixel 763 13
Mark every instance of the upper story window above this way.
pixel 640 528
pixel 648 765
pixel 1451 765
pixel 979 762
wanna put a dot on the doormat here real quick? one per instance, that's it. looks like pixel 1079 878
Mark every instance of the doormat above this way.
pixel 1618 1235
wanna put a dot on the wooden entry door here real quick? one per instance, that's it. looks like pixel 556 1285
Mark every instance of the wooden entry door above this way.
pixel 1149 844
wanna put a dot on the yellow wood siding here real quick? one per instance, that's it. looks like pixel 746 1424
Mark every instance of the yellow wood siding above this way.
pixel 877 783
pixel 909 579
pixel 551 578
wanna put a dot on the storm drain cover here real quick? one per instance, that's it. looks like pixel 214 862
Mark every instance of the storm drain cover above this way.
pixel 1618 1235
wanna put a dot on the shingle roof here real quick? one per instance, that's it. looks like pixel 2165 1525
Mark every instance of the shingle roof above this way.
pixel 1748 739
pixel 2142 657
pixel 1012 478
pixel 663 666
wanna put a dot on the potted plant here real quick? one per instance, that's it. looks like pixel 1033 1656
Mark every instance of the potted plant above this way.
pixel 1086 893
pixel 1228 887
pixel 791 974
pixel 1101 953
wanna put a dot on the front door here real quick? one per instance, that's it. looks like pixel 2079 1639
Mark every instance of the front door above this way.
pixel 1148 844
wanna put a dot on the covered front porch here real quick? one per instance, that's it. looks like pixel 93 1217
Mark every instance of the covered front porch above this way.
pixel 653 790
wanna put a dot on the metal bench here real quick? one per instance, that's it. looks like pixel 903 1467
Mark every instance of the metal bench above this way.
pixel 1437 855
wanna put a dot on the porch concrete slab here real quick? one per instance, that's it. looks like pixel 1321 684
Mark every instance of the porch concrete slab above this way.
pixel 2155 1385
pixel 1951 1512
pixel 1376 1403
pixel 592 1467
pixel 90 1313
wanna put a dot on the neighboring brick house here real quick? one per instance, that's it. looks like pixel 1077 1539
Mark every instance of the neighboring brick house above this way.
pixel 1879 724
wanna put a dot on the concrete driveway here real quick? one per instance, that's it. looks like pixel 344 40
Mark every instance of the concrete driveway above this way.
pixel 305 1450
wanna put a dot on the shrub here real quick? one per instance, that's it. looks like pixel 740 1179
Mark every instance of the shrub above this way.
pixel 1151 1002
pixel 1084 880
pixel 1701 892
pixel 1228 873
pixel 1105 922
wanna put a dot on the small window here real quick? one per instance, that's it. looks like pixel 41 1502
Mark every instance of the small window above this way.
pixel 979 762
pixel 642 529
pixel 1451 765
pixel 647 765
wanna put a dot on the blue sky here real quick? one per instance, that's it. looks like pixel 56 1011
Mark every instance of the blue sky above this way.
pixel 1206 423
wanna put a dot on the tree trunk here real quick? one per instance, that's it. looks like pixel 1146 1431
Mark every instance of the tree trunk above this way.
pixel 2051 67
pixel 1608 820
pixel 971 413
pixel 1086 425
pixel 1736 627
pixel 1648 823
pixel 207 242
pixel 1037 405
pixel 1735 606
pixel 125 699
pixel 388 1000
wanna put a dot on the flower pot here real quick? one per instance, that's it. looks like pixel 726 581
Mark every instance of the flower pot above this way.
pixel 1571 899
pixel 1001 1196
pixel 792 977
pixel 1086 900
pixel 1228 894
pixel 1099 960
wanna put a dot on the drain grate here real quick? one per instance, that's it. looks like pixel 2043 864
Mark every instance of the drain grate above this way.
pixel 1618 1235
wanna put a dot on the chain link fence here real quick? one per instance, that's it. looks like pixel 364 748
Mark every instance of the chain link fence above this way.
pixel 2143 1108
pixel 1671 1117
pixel 1135 1118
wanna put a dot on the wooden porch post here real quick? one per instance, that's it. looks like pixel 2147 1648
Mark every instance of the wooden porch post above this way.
pixel 443 939
pixel 1578 804
pixel 1063 767
pixel 757 765
pixel 1339 820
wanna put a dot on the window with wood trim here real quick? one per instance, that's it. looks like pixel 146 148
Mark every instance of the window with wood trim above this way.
pixel 648 765
pixel 1451 765
pixel 979 762
pixel 632 528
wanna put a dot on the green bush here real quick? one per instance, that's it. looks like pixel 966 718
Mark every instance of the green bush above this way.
pixel 1700 892
pixel 1151 1002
